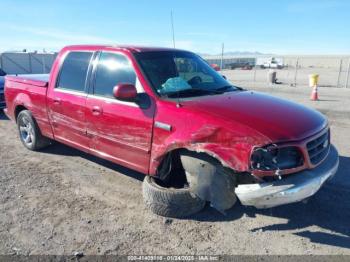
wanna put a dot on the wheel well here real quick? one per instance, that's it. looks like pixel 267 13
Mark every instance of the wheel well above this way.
pixel 18 110
pixel 171 173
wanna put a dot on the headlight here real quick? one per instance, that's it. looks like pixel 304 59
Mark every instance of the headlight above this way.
pixel 274 158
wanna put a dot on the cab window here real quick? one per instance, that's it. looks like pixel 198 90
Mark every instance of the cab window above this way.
pixel 73 71
pixel 112 69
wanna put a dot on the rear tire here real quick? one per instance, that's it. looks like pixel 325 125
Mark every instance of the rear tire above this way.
pixel 170 202
pixel 29 132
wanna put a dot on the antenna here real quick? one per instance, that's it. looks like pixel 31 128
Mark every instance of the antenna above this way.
pixel 172 26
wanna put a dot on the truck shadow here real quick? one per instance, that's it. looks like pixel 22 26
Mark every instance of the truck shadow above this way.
pixel 63 150
pixel 329 210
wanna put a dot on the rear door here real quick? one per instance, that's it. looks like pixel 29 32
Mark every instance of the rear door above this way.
pixel 67 100
pixel 120 131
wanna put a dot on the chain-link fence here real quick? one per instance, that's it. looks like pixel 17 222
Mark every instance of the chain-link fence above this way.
pixel 26 63
pixel 333 71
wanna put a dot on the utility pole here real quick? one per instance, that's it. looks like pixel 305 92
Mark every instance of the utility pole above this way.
pixel 222 55
pixel 339 74
pixel 172 26
pixel 347 75
pixel 296 72
pixel 43 60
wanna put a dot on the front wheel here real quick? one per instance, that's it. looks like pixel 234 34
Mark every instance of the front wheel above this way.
pixel 29 132
pixel 170 202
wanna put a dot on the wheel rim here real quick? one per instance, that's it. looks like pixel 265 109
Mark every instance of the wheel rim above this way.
pixel 26 131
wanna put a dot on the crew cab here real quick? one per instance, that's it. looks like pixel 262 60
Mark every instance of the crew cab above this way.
pixel 167 114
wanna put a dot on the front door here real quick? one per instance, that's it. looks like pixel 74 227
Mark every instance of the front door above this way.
pixel 67 101
pixel 119 131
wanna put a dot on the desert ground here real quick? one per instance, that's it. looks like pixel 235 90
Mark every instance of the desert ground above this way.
pixel 60 200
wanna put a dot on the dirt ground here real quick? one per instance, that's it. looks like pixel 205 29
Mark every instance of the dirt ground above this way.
pixel 60 201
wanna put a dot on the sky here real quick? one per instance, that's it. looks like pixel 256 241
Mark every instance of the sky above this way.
pixel 266 26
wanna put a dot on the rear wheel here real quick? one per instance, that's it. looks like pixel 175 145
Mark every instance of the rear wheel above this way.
pixel 29 132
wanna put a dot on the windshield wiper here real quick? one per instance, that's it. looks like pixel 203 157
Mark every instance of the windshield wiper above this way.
pixel 199 91
pixel 179 93
pixel 224 89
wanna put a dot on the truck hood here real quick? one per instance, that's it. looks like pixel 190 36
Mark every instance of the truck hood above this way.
pixel 277 119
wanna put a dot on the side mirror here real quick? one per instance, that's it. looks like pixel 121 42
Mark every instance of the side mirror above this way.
pixel 125 92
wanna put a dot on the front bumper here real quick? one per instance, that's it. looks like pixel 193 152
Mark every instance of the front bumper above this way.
pixel 293 188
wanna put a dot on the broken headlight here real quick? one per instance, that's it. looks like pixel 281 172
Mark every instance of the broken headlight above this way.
pixel 276 158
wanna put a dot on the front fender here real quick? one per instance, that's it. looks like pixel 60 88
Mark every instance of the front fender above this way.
pixel 231 147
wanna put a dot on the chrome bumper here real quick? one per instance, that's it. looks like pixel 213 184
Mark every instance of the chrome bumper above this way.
pixel 291 189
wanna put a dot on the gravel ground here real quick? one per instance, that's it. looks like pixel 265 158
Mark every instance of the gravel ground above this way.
pixel 60 200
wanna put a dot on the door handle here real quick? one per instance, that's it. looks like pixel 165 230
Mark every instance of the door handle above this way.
pixel 96 110
pixel 57 101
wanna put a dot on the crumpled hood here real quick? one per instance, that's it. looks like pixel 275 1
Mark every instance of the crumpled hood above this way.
pixel 277 119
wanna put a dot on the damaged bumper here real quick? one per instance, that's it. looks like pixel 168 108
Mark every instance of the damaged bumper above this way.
pixel 290 189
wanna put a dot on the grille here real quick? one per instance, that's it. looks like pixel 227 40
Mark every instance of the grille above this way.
pixel 318 148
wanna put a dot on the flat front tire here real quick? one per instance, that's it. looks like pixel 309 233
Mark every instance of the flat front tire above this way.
pixel 170 202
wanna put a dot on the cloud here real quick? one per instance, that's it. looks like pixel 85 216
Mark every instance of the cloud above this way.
pixel 60 35
pixel 51 38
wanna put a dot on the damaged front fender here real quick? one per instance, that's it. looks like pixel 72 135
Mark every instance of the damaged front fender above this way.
pixel 232 147
pixel 209 180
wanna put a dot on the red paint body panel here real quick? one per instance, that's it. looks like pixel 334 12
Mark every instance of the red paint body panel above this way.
pixel 120 132
pixel 28 95
pixel 278 119
pixel 67 114
pixel 226 126
pixel 198 131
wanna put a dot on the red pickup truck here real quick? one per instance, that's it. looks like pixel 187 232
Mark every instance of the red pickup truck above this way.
pixel 166 113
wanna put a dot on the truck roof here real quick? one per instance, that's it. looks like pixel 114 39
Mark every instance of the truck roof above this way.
pixel 130 48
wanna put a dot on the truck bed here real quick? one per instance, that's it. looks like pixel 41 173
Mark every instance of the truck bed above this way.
pixel 34 79
pixel 29 92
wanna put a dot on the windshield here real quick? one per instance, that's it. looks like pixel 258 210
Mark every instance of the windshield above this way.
pixel 181 74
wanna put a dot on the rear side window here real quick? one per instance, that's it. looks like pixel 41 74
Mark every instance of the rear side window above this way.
pixel 112 69
pixel 74 70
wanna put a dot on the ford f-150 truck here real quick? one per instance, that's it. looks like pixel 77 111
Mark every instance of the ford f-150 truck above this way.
pixel 166 113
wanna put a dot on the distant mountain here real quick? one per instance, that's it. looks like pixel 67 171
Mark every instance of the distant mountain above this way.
pixel 234 53
pixel 243 53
